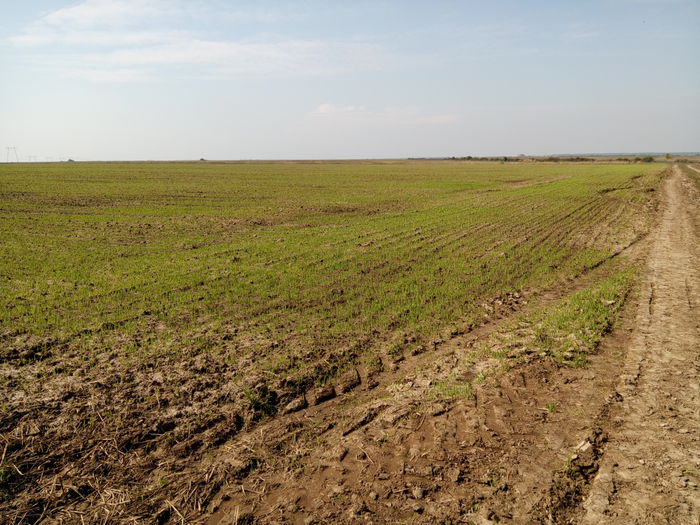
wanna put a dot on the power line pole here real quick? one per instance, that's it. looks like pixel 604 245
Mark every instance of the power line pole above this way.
pixel 11 149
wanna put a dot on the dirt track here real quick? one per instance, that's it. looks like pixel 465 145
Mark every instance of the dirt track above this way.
pixel 651 468
pixel 618 448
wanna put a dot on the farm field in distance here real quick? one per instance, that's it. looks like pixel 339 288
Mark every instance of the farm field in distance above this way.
pixel 153 313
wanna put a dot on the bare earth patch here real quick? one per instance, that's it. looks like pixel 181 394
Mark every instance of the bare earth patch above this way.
pixel 651 469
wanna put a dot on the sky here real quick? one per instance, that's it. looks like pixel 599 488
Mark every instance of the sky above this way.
pixel 320 79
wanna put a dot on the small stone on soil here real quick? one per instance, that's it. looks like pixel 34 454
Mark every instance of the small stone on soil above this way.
pixel 295 405
pixel 418 492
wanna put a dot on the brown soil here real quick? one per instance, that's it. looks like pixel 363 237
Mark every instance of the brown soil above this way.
pixel 651 468
pixel 536 443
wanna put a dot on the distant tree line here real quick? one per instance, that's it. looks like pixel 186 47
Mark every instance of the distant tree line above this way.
pixel 551 158
pixel 636 159
pixel 565 159
pixel 522 158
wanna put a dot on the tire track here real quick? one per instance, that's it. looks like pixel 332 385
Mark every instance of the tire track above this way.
pixel 650 470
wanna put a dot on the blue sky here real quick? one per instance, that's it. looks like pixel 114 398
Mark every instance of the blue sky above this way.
pixel 182 79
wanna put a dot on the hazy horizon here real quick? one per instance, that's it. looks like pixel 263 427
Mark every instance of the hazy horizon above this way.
pixel 179 80
pixel 564 156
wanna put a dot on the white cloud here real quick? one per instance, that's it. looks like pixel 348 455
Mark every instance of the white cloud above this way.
pixel 109 75
pixel 210 59
pixel 280 55
pixel 120 36
pixel 105 12
pixel 214 59
pixel 93 38
pixel 99 23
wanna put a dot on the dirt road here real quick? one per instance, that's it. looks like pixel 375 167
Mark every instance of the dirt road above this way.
pixel 651 467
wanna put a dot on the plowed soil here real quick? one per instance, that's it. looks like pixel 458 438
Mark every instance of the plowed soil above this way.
pixel 534 442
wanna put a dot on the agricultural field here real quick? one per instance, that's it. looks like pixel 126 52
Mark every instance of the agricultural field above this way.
pixel 151 314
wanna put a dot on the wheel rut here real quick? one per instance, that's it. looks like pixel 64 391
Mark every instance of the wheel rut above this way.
pixel 650 471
